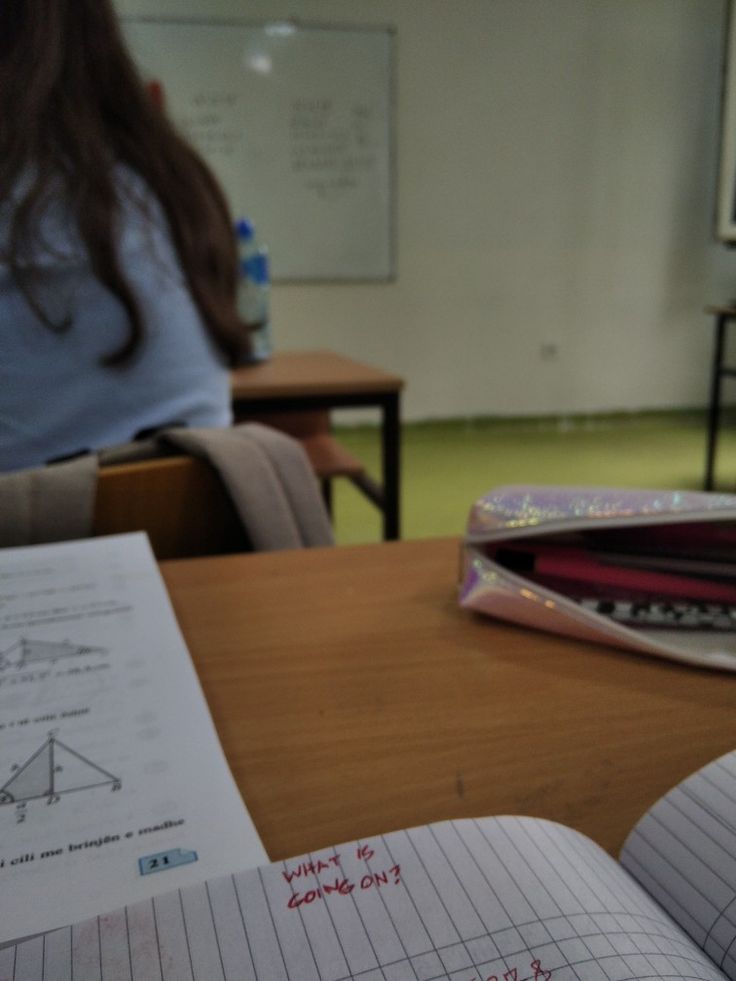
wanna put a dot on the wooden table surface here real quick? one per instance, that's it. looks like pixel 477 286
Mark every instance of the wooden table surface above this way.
pixel 310 373
pixel 352 696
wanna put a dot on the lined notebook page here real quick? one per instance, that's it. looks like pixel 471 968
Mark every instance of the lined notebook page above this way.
pixel 513 899
pixel 683 851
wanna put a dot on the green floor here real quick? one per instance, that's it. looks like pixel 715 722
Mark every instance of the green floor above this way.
pixel 447 465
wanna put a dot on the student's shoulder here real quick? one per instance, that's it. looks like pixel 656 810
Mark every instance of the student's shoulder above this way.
pixel 53 238
pixel 142 225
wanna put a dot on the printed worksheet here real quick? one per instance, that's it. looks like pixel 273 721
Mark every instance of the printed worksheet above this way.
pixel 113 784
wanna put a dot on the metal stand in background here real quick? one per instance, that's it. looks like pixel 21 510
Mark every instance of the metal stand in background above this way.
pixel 724 316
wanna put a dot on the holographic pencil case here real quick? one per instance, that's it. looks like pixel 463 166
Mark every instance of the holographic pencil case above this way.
pixel 648 571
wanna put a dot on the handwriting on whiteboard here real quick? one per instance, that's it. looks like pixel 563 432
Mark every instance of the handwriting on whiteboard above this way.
pixel 210 120
pixel 332 146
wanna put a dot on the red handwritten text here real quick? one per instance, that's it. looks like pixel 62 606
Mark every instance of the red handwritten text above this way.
pixel 341 887
pixel 513 975
pixel 312 868
pixel 381 878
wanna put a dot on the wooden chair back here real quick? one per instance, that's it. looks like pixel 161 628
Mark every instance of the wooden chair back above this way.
pixel 179 501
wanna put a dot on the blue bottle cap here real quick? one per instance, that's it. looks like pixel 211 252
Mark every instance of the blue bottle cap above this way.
pixel 244 229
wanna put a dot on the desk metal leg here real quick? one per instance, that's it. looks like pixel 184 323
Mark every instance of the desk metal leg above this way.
pixel 391 464
pixel 714 410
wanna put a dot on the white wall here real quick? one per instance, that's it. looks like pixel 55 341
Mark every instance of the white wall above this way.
pixel 557 164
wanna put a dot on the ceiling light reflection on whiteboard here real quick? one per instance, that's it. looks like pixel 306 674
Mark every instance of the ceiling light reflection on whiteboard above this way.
pixel 259 62
pixel 281 28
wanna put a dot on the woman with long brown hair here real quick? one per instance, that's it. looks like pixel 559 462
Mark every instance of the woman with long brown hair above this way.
pixel 118 264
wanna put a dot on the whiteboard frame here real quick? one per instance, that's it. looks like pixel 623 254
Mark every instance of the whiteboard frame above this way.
pixel 725 218
pixel 299 24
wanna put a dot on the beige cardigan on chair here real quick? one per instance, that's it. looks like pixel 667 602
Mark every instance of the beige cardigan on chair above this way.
pixel 266 473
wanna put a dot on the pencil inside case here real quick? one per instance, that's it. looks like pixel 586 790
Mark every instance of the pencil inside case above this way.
pixel 577 573
pixel 626 594
pixel 658 614
pixel 688 539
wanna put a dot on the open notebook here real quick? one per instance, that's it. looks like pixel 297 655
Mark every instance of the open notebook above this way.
pixel 509 898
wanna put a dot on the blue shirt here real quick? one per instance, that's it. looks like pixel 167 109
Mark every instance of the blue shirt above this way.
pixel 56 398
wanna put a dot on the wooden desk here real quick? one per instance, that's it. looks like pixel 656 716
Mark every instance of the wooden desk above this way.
pixel 301 380
pixel 352 697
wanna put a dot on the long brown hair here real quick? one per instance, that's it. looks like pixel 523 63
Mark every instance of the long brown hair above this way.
pixel 72 106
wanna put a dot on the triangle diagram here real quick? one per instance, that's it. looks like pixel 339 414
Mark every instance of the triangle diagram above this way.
pixel 73 772
pixel 33 779
pixel 52 770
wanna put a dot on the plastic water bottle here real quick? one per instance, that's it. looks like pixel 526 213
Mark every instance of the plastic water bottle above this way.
pixel 254 289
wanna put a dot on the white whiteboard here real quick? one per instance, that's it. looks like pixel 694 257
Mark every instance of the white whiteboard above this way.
pixel 296 123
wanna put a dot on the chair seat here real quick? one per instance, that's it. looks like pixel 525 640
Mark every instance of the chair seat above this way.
pixel 326 454
pixel 329 458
